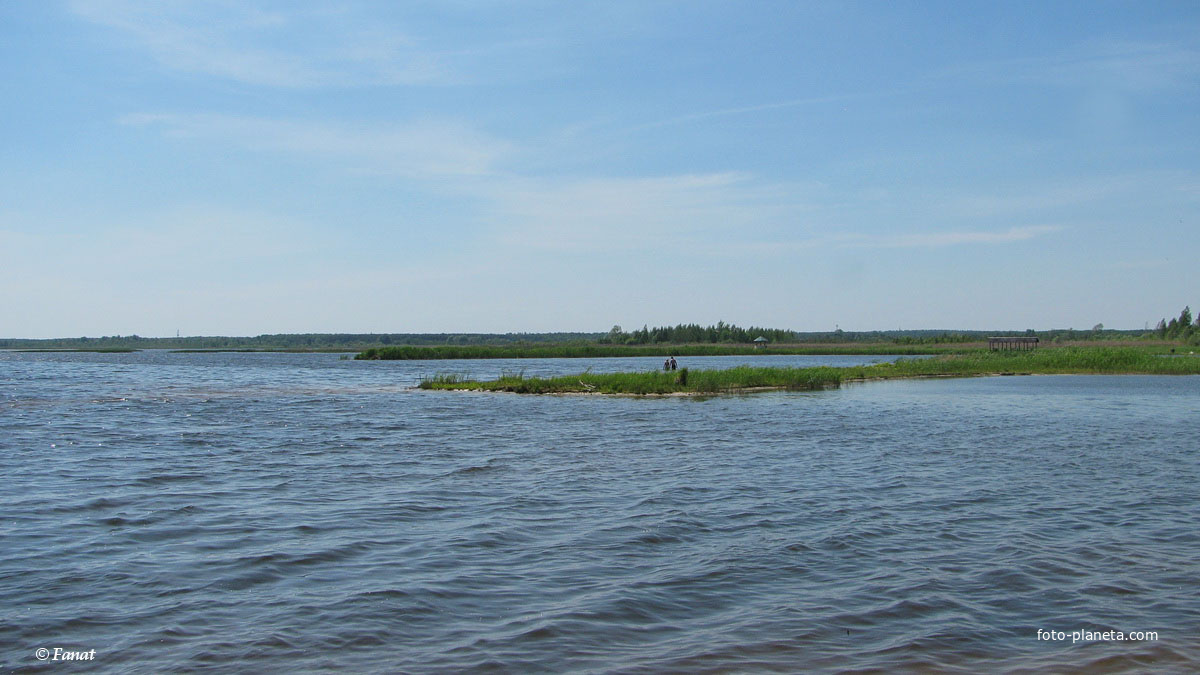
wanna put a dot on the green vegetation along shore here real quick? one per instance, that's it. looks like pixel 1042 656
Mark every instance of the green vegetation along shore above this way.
pixel 593 350
pixel 1059 361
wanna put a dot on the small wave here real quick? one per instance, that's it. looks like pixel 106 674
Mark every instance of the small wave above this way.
pixel 473 469
pixel 404 512
pixel 96 504
pixel 119 521
pixel 165 478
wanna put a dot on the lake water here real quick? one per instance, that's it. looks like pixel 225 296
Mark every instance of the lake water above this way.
pixel 300 512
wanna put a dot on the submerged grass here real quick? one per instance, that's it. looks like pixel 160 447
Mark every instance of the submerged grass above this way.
pixel 1070 360
pixel 652 382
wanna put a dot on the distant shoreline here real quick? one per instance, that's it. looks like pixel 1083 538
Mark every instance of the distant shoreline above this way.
pixel 595 350
pixel 691 336
pixel 129 350
pixel 576 351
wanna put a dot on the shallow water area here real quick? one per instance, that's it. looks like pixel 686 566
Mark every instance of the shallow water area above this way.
pixel 302 511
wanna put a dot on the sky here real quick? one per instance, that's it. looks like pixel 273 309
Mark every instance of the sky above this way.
pixel 240 168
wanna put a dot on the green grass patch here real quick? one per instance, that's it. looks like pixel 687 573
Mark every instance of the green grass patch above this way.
pixel 1069 360
pixel 652 382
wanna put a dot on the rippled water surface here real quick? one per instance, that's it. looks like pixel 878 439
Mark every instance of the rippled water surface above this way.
pixel 272 512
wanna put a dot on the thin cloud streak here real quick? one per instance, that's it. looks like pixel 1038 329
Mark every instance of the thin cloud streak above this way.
pixel 831 242
pixel 591 214
pixel 742 110
pixel 634 214
pixel 941 239
pixel 423 148
pixel 1133 67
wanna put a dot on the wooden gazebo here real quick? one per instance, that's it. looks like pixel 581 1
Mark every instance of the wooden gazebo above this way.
pixel 997 344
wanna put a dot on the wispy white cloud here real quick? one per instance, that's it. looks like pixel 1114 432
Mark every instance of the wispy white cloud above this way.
pixel 1076 199
pixel 294 47
pixel 1131 67
pixel 720 215
pixel 749 109
pixel 767 248
pixel 725 214
pixel 1122 67
pixel 953 238
pixel 1023 198
pixel 636 213
pixel 423 148
pixel 1141 264
pixel 533 211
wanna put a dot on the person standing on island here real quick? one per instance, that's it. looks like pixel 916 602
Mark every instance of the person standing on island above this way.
pixel 673 364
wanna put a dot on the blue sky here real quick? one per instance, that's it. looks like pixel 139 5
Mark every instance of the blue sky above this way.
pixel 240 168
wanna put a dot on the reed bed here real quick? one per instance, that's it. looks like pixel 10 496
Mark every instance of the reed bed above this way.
pixel 651 382
pixel 1055 361
pixel 1073 360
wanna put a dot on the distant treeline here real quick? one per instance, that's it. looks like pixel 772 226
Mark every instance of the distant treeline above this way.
pixel 723 333
pixel 695 334
pixel 297 341
pixel 1057 335
pixel 1183 328
pixel 595 350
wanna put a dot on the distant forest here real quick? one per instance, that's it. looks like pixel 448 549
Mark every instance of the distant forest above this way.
pixel 694 333
pixel 1183 328
pixel 299 341
pixel 731 334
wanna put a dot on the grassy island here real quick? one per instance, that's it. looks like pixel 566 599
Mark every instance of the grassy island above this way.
pixel 1059 361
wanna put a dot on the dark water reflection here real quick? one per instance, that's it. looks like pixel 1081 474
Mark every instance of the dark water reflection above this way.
pixel 273 511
